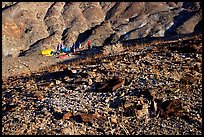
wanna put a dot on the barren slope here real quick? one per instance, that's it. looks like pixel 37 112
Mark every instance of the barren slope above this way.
pixel 32 26
pixel 151 90
pixel 29 27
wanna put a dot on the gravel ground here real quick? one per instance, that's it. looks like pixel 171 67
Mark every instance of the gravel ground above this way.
pixel 139 92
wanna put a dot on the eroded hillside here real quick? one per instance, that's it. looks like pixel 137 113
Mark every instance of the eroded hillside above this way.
pixel 29 27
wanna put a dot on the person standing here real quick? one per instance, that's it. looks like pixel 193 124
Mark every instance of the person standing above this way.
pixel 74 47
pixel 89 44
pixel 69 47
pixel 80 46
pixel 59 47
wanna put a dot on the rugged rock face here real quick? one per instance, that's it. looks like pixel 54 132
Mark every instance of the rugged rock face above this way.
pixel 28 27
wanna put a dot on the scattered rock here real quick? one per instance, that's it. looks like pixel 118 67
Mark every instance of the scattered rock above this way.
pixel 196 48
pixel 109 85
pixel 57 82
pixel 67 115
pixel 41 98
pixel 114 120
pixel 51 84
pixel 145 111
pixel 128 104
pixel 74 71
pixel 115 103
pixel 66 131
pixel 171 108
pixel 188 79
pixel 86 118
pixel 38 94
pixel 142 100
pixel 100 129
pixel 155 106
pixel 90 82
pixel 139 114
pixel 118 84
pixel 58 109
pixel 107 99
pixel 130 111
pixel 57 114
pixel 71 131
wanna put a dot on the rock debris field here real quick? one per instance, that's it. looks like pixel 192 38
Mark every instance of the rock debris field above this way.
pixel 154 90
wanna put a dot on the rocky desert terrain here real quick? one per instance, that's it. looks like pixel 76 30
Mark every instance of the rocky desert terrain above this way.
pixel 142 77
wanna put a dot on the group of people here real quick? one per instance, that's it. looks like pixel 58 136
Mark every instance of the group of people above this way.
pixel 65 49
pixel 61 48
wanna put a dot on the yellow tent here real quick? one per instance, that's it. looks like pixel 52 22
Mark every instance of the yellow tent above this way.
pixel 47 52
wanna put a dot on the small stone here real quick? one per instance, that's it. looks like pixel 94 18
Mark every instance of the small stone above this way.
pixel 145 106
pixel 51 84
pixel 58 109
pixel 90 82
pixel 120 82
pixel 46 88
pixel 122 94
pixel 142 100
pixel 85 86
pixel 147 119
pixel 198 116
pixel 155 106
pixel 3 102
pixel 57 82
pixel 67 115
pixel 66 78
pixel 41 98
pixel 37 94
pixel 128 104
pixel 88 117
pixel 114 120
pixel 47 113
pixel 107 99
pixel 20 67
pixel 139 114
pixel 74 71
pixel 66 131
